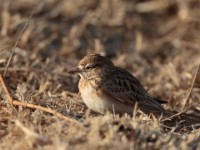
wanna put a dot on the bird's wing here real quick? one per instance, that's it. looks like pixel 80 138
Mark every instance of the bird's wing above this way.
pixel 126 88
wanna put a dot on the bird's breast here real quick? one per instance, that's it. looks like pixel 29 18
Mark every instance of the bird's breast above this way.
pixel 90 95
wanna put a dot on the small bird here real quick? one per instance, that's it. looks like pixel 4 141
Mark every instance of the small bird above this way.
pixel 105 87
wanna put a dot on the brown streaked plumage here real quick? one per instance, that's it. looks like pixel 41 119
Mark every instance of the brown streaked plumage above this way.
pixel 105 87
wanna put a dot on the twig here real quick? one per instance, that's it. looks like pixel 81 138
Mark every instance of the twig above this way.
pixel 190 91
pixel 6 47
pixel 27 131
pixel 18 38
pixel 32 106
pixel 3 84
pixel 48 110
pixel 171 116
pixel 31 134
pixel 14 69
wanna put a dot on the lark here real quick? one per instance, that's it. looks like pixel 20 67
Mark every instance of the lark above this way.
pixel 107 88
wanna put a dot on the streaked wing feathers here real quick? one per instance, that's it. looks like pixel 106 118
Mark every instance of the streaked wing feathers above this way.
pixel 126 88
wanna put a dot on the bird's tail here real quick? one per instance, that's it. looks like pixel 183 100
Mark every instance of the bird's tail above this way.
pixel 180 121
pixel 152 105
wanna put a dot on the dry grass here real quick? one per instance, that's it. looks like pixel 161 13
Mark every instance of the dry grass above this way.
pixel 155 40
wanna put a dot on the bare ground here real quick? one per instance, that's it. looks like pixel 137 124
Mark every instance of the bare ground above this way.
pixel 157 41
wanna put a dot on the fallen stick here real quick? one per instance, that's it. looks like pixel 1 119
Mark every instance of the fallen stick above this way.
pixel 186 101
pixel 32 106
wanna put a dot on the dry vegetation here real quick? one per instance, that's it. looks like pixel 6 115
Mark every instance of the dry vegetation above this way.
pixel 158 41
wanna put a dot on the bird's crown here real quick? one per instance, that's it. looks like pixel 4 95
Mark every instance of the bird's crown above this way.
pixel 94 60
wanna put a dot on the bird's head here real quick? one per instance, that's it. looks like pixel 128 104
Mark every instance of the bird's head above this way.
pixel 92 64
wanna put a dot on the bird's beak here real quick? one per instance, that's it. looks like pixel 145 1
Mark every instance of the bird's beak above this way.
pixel 74 70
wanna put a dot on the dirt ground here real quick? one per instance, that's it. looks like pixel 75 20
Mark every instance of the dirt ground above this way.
pixel 157 41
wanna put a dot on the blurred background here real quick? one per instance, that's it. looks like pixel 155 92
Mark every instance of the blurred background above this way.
pixel 158 41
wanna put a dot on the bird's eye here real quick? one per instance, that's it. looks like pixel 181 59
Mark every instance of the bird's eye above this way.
pixel 89 66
